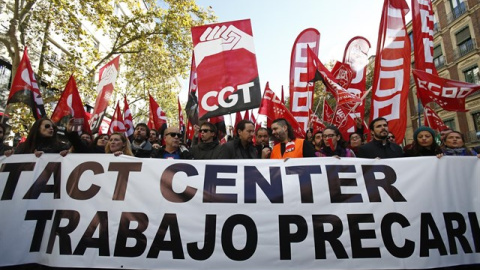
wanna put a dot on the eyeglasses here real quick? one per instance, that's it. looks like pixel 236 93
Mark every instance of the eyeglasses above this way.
pixel 329 135
pixel 174 134
pixel 47 126
pixel 204 130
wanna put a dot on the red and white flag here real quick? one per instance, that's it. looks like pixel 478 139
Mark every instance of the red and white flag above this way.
pixel 70 105
pixel 448 94
pixel 226 67
pixel 433 120
pixel 392 69
pixel 181 124
pixel 127 118
pixel 247 115
pixel 157 118
pixel 316 68
pixel 422 23
pixel 316 123
pixel 117 125
pixel 107 77
pixel 301 88
pixel 190 131
pixel 25 88
pixel 272 108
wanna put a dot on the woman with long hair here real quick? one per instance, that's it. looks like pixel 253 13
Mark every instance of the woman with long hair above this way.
pixel 334 145
pixel 42 138
pixel 424 143
pixel 118 144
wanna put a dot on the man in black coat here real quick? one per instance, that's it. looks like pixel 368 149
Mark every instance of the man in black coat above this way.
pixel 242 146
pixel 209 147
pixel 380 146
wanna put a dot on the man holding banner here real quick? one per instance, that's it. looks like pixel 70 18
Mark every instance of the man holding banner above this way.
pixel 380 146
pixel 289 146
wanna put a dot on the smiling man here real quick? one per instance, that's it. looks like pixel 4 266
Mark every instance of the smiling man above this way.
pixel 289 146
pixel 380 146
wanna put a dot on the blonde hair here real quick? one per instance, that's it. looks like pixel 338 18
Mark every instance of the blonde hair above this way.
pixel 127 149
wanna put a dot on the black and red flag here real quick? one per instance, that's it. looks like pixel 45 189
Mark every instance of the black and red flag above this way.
pixel 192 102
pixel 301 88
pixel 69 106
pixel 107 77
pixel 25 88
pixel 392 69
pixel 226 68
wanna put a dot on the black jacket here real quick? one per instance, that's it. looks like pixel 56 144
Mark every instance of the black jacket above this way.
pixel 184 153
pixel 209 150
pixel 145 151
pixel 234 150
pixel 375 149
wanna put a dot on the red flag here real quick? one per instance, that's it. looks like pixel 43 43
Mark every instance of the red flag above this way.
pixel 330 143
pixel 226 68
pixel 392 69
pixel 117 124
pixel 422 22
pixel 192 102
pixel 356 56
pixel 343 74
pixel 327 112
pixel 190 131
pixel 316 123
pixel 433 120
pixel 273 109
pixel 181 124
pixel 301 88
pixel 341 95
pixel 247 115
pixel 449 94
pixel 157 117
pixel 70 104
pixel 238 118
pixel 107 76
pixel 25 88
pixel 127 117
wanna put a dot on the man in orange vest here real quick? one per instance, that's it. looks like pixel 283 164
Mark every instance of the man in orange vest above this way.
pixel 289 146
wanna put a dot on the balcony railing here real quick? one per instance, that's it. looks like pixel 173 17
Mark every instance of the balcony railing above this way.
pixel 439 62
pixel 457 12
pixel 465 48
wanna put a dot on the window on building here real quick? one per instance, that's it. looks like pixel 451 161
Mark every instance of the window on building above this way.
pixel 450 123
pixel 438 58
pixel 464 41
pixel 458 7
pixel 476 123
pixel 472 75
pixel 410 35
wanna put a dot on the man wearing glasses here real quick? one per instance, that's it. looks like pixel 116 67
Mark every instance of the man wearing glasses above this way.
pixel 380 146
pixel 172 148
pixel 209 147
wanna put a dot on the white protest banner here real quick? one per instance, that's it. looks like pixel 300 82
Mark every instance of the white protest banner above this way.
pixel 315 213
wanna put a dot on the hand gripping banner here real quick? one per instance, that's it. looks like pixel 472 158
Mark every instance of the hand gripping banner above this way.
pixel 226 67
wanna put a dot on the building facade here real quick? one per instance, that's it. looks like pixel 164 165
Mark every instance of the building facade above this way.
pixel 456 56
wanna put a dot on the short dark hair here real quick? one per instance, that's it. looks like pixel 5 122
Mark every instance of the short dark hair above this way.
pixel 283 122
pixel 261 128
pixel 372 123
pixel 211 126
pixel 145 126
pixel 242 124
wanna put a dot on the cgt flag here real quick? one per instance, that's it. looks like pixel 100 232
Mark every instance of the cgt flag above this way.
pixel 70 104
pixel 107 76
pixel 25 88
pixel 226 68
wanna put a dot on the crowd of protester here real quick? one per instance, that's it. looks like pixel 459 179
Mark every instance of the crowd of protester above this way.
pixel 276 142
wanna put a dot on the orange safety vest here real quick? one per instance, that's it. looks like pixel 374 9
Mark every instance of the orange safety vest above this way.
pixel 293 149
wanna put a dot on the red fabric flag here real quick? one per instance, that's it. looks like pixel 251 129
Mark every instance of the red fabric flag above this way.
pixel 117 124
pixel 356 56
pixel 238 118
pixel 226 68
pixel 327 115
pixel 449 94
pixel 316 123
pixel 343 74
pixel 341 118
pixel 107 77
pixel 273 109
pixel 181 124
pixel 70 104
pixel 433 120
pixel 190 131
pixel 25 88
pixel 330 143
pixel 392 69
pixel 422 22
pixel 341 95
pixel 247 115
pixel 301 88
pixel 127 118
pixel 157 117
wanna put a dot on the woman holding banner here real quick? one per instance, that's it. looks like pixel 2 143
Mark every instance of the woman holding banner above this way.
pixel 454 145
pixel 334 145
pixel 118 145
pixel 424 143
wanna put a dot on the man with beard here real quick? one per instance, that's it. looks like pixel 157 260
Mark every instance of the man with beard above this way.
pixel 141 147
pixel 172 148
pixel 241 147
pixel 262 142
pixel 289 146
pixel 209 147
pixel 380 146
